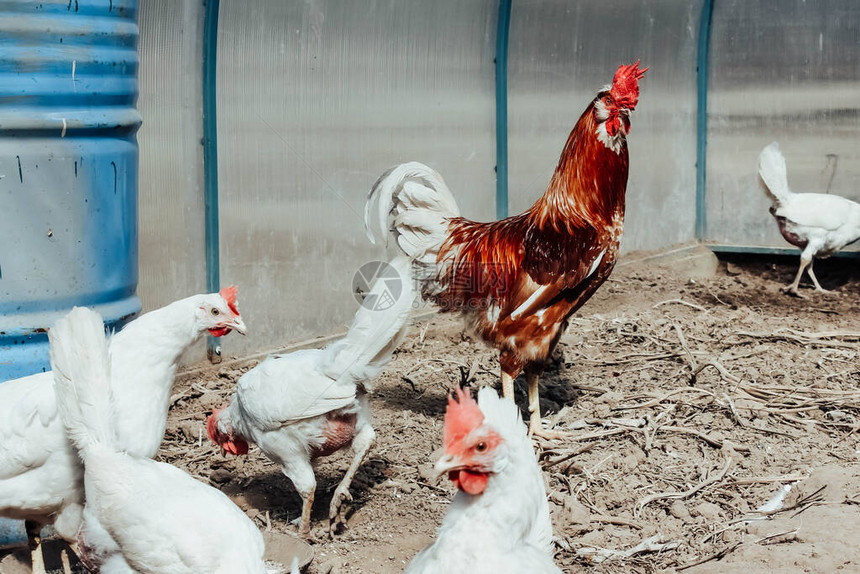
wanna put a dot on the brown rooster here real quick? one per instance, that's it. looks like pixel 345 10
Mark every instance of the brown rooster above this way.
pixel 518 280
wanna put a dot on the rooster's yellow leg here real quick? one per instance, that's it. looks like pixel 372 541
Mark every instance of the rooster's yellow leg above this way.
pixel 507 386
pixel 535 423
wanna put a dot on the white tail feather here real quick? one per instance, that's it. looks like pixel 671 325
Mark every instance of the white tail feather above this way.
pixel 374 333
pixel 81 365
pixel 771 169
pixel 410 200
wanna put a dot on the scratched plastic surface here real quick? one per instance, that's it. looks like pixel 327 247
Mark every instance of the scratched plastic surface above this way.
pixel 315 101
pixel 68 169
pixel 786 71
pixel 561 54
pixel 171 208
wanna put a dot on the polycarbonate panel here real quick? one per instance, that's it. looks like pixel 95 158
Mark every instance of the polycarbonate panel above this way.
pixel 561 54
pixel 786 71
pixel 315 100
pixel 172 262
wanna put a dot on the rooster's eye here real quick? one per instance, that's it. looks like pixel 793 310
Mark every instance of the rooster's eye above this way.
pixel 215 311
pixel 481 447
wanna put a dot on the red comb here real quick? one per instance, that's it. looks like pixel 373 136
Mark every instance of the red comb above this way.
pixel 461 417
pixel 625 85
pixel 212 425
pixel 229 294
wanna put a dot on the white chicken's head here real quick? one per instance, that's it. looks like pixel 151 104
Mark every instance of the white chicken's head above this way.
pixel 218 313
pixel 222 434
pixel 473 450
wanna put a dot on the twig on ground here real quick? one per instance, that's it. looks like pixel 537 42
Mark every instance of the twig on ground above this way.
pixel 719 367
pixel 778 538
pixel 715 556
pixel 734 411
pixel 642 503
pixel 767 479
pixel 683 341
pixel 603 519
pixel 601 434
pixel 680 302
pixel 711 440
pixel 658 400
pixel 801 503
pixel 652 544
pixel 568 455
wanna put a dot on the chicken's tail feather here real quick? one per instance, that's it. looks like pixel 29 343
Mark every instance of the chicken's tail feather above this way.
pixel 412 203
pixel 771 169
pixel 379 326
pixel 81 366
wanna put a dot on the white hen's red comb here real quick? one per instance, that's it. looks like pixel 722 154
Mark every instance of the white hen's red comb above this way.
pixel 229 294
pixel 461 417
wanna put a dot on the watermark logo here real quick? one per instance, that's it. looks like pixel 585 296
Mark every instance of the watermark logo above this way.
pixel 381 296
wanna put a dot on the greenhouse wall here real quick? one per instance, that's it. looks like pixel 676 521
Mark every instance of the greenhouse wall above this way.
pixel 561 54
pixel 171 158
pixel 785 71
pixel 316 99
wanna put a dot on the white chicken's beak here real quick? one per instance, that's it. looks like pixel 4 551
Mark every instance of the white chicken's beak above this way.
pixel 445 465
pixel 238 325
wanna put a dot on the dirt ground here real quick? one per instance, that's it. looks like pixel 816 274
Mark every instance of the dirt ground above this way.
pixel 690 404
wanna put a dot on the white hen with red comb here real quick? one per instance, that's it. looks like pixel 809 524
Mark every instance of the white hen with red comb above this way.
pixel 304 405
pixel 499 520
pixel 41 477
pixel 140 515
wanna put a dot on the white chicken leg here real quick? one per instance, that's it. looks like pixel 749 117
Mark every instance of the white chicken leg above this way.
pixel 34 538
pixel 364 439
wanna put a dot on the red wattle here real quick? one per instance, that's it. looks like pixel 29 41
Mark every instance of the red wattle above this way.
pixel 612 126
pixel 220 332
pixel 236 446
pixel 470 482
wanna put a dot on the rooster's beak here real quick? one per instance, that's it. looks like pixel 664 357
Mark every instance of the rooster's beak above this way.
pixel 239 325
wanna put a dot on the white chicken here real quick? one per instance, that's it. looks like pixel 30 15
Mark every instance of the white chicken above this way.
pixel 40 473
pixel 499 520
pixel 141 516
pixel 310 403
pixel 819 224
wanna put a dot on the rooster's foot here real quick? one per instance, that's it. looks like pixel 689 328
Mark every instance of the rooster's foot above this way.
pixel 536 430
pixel 828 292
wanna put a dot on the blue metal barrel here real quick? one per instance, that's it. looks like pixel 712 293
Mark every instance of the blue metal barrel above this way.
pixel 68 169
